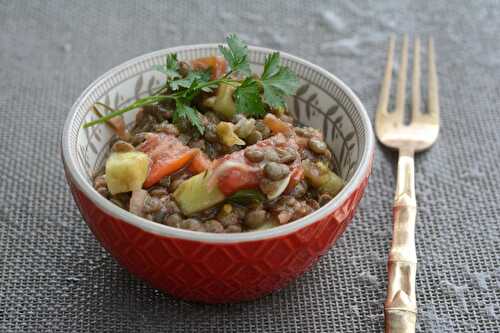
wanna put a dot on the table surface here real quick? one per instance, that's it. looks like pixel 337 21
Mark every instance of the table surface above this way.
pixel 55 277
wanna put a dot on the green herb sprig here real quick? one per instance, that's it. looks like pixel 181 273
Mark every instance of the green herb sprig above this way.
pixel 251 95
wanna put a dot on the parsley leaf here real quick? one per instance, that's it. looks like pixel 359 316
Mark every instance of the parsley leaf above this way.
pixel 277 81
pixel 236 55
pixel 247 98
pixel 246 197
pixel 171 67
pixel 184 111
pixel 187 82
pixel 271 65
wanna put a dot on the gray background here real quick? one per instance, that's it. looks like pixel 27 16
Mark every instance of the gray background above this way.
pixel 55 277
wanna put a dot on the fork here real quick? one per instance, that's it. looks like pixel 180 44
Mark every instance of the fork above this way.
pixel 391 130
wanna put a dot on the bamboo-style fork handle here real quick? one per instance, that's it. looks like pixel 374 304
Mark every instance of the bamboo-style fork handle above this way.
pixel 408 139
pixel 400 306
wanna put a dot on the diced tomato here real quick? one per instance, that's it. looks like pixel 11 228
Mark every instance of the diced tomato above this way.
pixel 217 65
pixel 236 179
pixel 167 154
pixel 200 163
pixel 239 173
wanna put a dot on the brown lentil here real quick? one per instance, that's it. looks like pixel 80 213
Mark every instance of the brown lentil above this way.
pixel 306 132
pixel 173 220
pixel 234 228
pixel 172 207
pixel 159 216
pixel 255 155
pixel 255 218
pixel 152 205
pixel 268 186
pixel 214 226
pixel 138 138
pixel 270 154
pixel 276 171
pixel 192 224
pixel 254 137
pixel 287 155
pixel 317 146
pixel 263 129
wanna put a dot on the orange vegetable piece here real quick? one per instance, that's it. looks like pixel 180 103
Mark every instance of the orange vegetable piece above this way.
pixel 277 125
pixel 167 154
pixel 200 163
pixel 217 65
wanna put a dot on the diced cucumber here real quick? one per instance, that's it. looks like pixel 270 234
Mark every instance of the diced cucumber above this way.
pixel 195 194
pixel 126 171
pixel 321 177
pixel 224 105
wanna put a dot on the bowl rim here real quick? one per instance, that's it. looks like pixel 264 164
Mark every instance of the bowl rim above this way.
pixel 166 231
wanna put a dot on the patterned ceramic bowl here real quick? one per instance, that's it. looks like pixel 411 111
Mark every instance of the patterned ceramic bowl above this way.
pixel 218 268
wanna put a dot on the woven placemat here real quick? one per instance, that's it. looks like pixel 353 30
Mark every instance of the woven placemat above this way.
pixel 55 277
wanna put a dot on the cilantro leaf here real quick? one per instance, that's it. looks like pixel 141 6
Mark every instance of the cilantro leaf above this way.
pixel 184 111
pixel 277 81
pixel 171 67
pixel 187 82
pixel 247 98
pixel 236 55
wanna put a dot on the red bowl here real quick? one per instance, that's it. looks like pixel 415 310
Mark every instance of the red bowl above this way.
pixel 219 268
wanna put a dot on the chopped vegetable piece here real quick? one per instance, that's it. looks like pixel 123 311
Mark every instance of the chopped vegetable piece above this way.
pixel 225 131
pixel 126 172
pixel 276 125
pixel 195 194
pixel 224 105
pixel 321 177
pixel 168 154
pixel 200 163
pixel 217 65
pixel 234 172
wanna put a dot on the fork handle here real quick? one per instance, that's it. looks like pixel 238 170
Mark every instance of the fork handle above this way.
pixel 401 305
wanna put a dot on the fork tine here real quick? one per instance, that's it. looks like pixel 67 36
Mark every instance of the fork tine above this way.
pixel 415 86
pixel 433 102
pixel 401 88
pixel 383 101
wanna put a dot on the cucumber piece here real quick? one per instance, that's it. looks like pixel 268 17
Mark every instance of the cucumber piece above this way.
pixel 321 177
pixel 126 171
pixel 195 194
pixel 224 105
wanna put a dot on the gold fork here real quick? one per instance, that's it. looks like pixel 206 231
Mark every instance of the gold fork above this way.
pixel 420 134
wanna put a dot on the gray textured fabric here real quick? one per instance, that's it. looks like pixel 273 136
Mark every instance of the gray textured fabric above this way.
pixel 55 277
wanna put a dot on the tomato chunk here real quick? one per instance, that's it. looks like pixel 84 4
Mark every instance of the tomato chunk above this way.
pixel 234 172
pixel 167 154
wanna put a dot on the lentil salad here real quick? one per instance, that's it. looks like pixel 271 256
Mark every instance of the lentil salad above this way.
pixel 216 149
